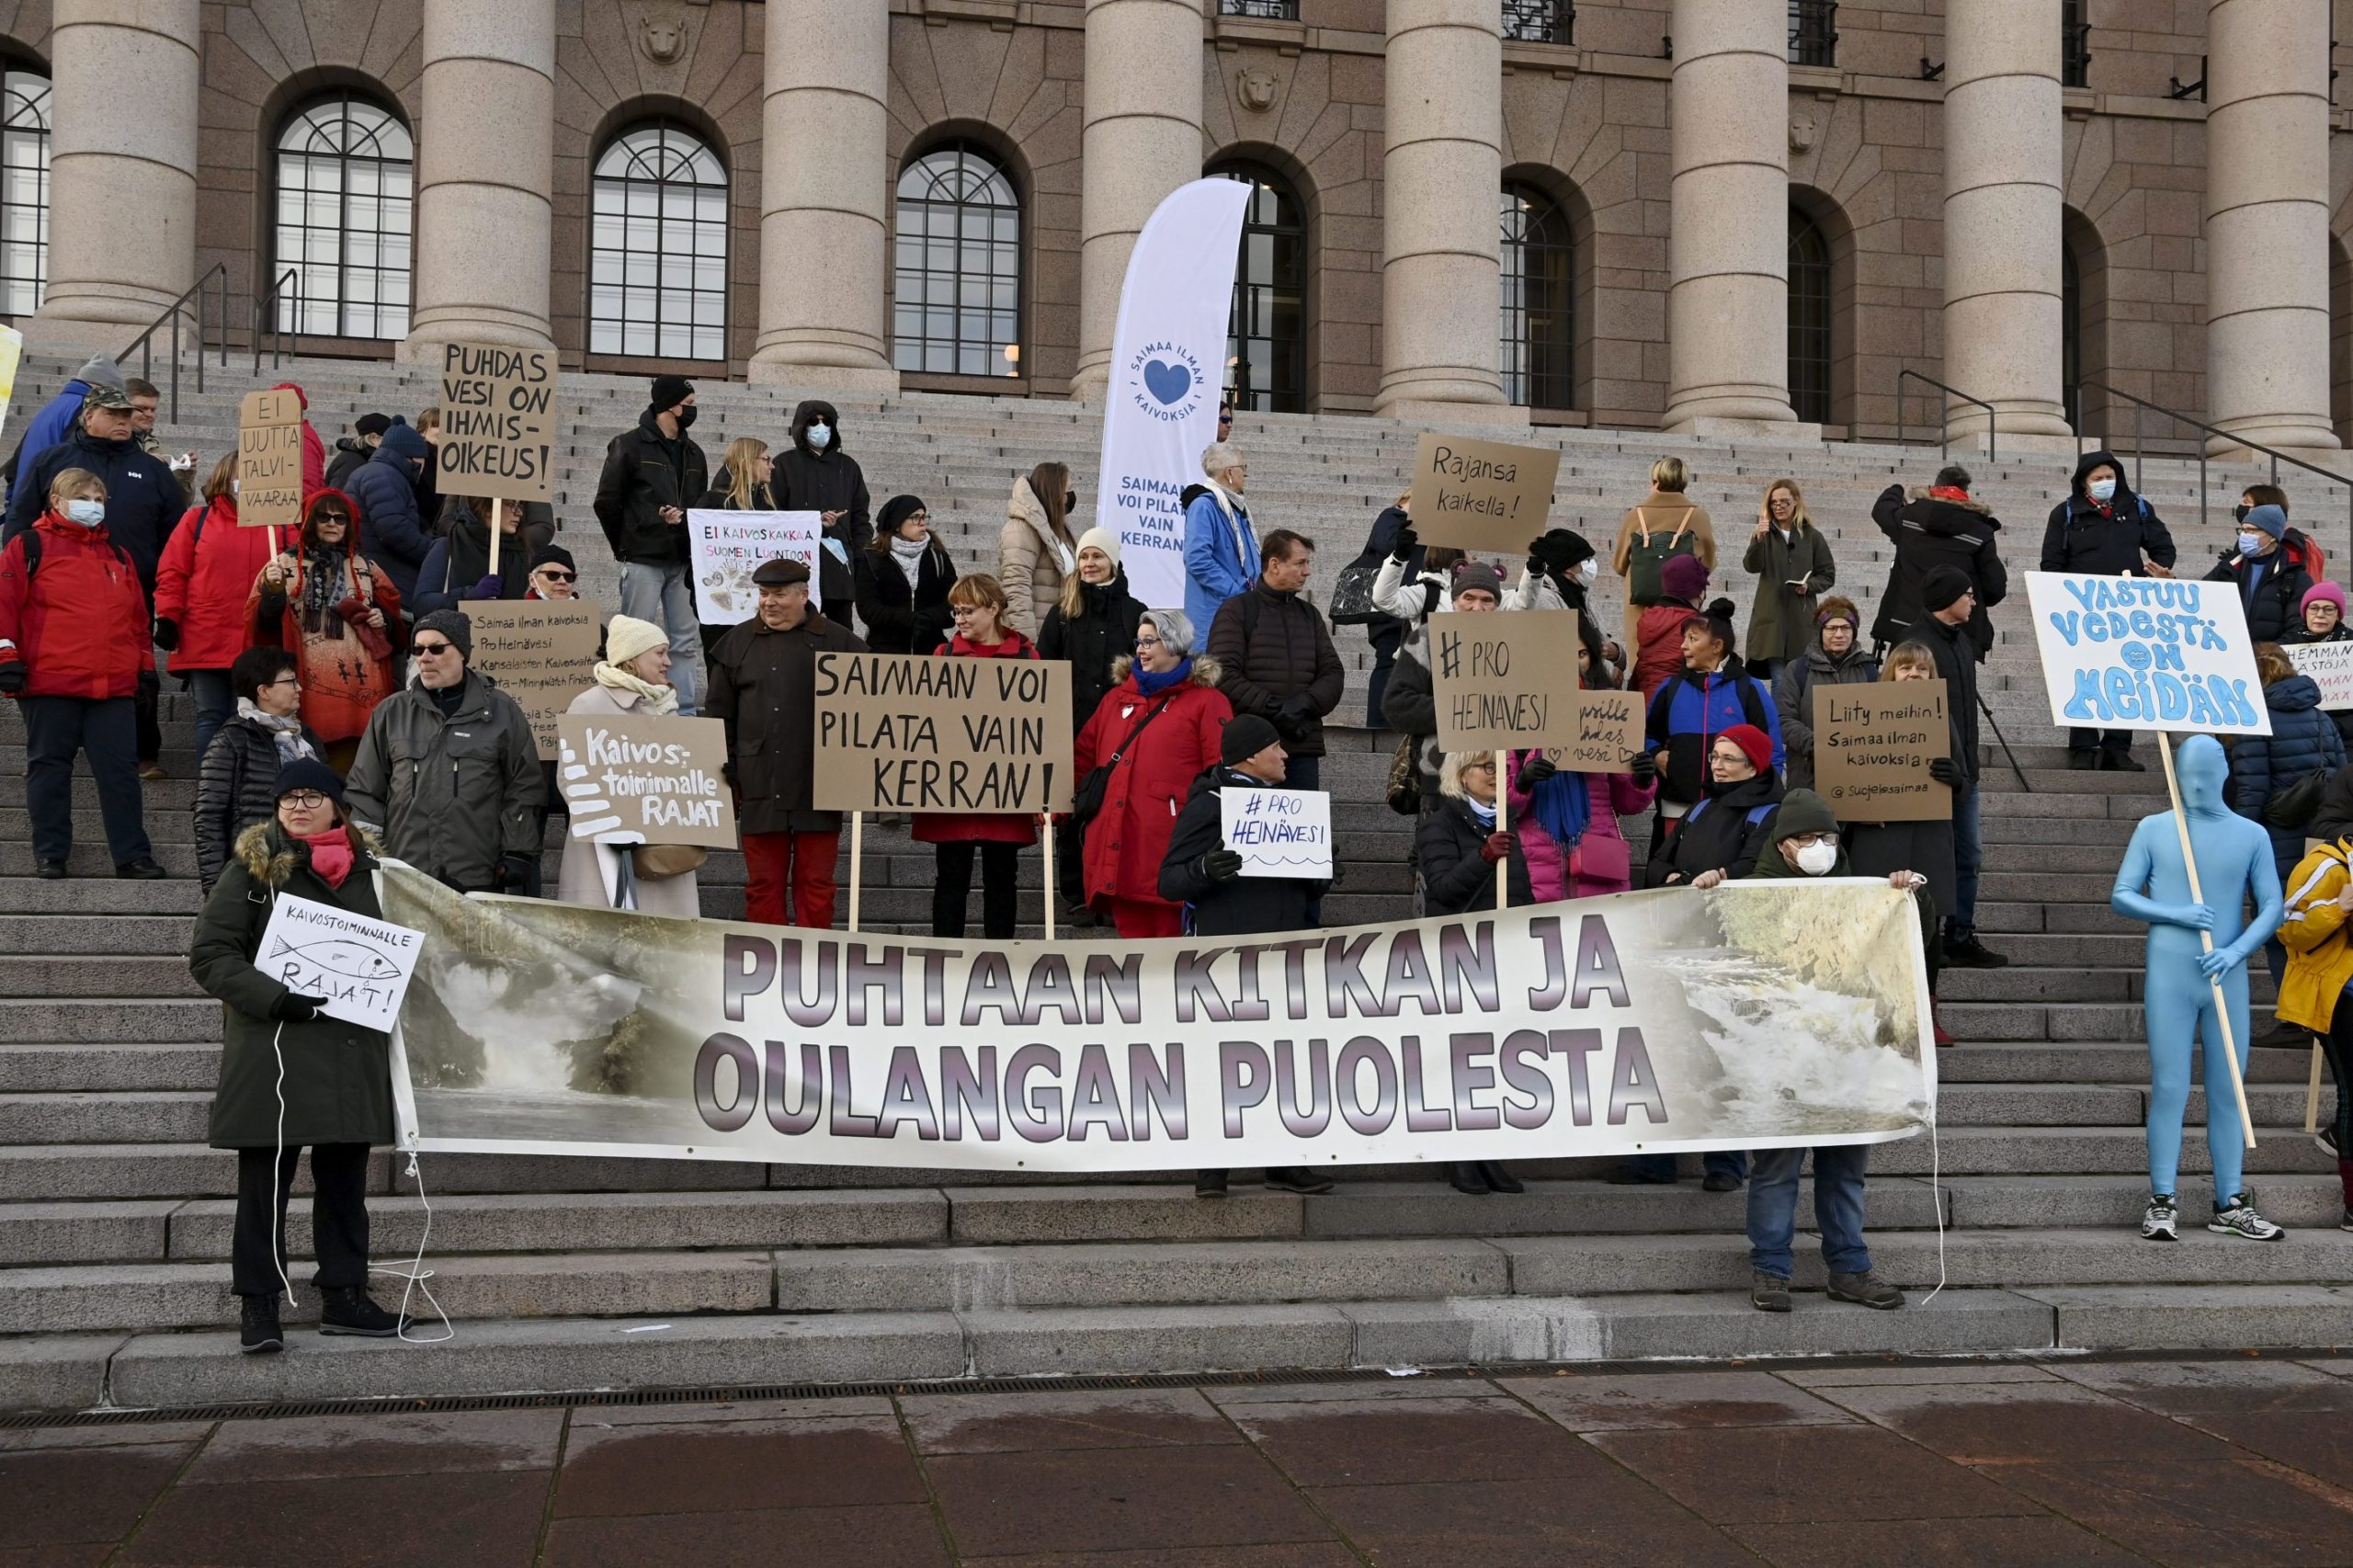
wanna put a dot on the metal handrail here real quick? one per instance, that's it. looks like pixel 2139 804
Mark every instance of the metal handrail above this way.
pixel 1944 435
pixel 2233 437
pixel 218 274
pixel 266 321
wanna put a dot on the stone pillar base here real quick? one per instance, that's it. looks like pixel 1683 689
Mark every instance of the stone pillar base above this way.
pixel 1438 414
pixel 1091 385
pixel 58 335
pixel 863 380
pixel 1791 432
pixel 2300 443
pixel 2006 441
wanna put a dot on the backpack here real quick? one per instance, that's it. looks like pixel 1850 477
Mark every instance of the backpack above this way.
pixel 32 553
pixel 1647 551
pixel 2306 552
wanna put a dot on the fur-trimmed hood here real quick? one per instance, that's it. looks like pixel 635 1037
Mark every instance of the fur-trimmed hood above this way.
pixel 1207 671
pixel 265 853
pixel 1919 492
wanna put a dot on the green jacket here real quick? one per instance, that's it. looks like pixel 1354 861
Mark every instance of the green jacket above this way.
pixel 338 1084
pixel 1780 624
pixel 449 796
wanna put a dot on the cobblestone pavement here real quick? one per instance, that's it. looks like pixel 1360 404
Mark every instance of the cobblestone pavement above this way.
pixel 2239 1461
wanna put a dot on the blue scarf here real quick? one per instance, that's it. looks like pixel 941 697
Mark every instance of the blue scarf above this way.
pixel 1154 684
pixel 1562 808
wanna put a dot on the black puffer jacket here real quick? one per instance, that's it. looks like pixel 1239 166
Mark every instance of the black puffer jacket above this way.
pixel 235 788
pixel 2083 536
pixel 1245 907
pixel 1275 649
pixel 806 480
pixel 1716 835
pixel 1454 879
pixel 1929 533
pixel 1104 633
pixel 646 471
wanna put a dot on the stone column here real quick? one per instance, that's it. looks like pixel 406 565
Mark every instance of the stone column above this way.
pixel 824 178
pixel 122 168
pixel 485 163
pixel 2267 223
pixel 1142 139
pixel 1441 174
pixel 2004 200
pixel 1728 247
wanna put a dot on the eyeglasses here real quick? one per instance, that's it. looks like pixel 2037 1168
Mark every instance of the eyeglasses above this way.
pixel 428 649
pixel 1808 840
pixel 290 678
pixel 553 575
pixel 1147 642
pixel 303 799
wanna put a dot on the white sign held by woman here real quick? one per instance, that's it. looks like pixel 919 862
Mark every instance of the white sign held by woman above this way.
pixel 723 548
pixel 360 967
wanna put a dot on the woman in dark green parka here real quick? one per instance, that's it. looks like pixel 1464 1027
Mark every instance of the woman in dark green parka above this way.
pixel 335 1078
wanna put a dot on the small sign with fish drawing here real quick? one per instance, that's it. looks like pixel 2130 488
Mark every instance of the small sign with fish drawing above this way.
pixel 360 967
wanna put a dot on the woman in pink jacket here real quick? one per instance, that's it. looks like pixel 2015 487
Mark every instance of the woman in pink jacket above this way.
pixel 1567 825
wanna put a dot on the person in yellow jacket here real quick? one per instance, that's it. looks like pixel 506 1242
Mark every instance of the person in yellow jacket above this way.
pixel 2314 995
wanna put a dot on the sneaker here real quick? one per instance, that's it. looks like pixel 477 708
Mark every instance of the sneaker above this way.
pixel 2160 1221
pixel 1865 1289
pixel 2345 1220
pixel 152 771
pixel 1971 953
pixel 2285 1037
pixel 351 1311
pixel 1720 1181
pixel 50 870
pixel 1208 1184
pixel 2241 1219
pixel 2082 761
pixel 258 1330
pixel 1296 1178
pixel 143 869
pixel 2122 762
pixel 1768 1292
pixel 2324 1140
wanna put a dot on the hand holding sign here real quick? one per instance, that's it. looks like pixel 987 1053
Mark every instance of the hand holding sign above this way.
pixel 269 459
pixel 498 421
pixel 1504 680
pixel 906 732
pixel 1482 494
pixel 1278 832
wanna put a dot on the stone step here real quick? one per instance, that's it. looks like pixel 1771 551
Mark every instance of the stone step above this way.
pixel 59 975
pixel 122 935
pixel 127 1021
pixel 99 894
pixel 164 825
pixel 93 1069
pixel 2095 1061
pixel 89 858
pixel 2081 1150
pixel 160 1116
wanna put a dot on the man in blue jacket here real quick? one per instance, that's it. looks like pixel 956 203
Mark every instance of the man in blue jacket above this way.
pixel 1221 547
pixel 384 489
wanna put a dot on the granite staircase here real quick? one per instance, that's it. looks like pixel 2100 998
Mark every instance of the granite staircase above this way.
pixel 580 1273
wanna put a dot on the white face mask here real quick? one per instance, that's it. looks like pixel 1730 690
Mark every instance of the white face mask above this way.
pixel 87 512
pixel 1815 860
pixel 820 436
pixel 2102 489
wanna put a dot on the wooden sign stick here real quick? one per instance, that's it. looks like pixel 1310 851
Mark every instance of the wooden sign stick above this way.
pixel 496 507
pixel 857 862
pixel 1048 819
pixel 2312 1093
pixel 2206 943
pixel 1503 809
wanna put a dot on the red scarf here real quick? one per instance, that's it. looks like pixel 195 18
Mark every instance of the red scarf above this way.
pixel 1949 493
pixel 331 855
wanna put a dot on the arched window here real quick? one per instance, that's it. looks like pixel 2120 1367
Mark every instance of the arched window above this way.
pixel 957 306
pixel 1538 294
pixel 346 167
pixel 23 190
pixel 1809 320
pixel 1266 335
pixel 657 252
pixel 2070 334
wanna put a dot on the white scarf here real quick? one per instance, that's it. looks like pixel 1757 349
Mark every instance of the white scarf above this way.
pixel 286 729
pixel 909 554
pixel 1237 515
pixel 654 700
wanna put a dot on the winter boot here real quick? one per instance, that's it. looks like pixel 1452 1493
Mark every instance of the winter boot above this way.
pixel 1768 1292
pixel 350 1310
pixel 1865 1289
pixel 258 1330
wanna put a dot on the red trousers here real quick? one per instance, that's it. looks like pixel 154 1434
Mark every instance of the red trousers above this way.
pixel 798 863
pixel 1142 917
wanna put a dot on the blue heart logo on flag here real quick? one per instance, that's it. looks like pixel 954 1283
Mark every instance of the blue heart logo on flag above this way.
pixel 1166 382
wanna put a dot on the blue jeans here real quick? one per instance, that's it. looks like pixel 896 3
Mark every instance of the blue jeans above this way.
pixel 1837 1209
pixel 665 595
pixel 1661 1167
pixel 216 703
pixel 1968 859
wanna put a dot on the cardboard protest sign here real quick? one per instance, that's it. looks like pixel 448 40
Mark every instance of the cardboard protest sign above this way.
pixel 12 356
pixel 1278 832
pixel 360 966
pixel 905 732
pixel 723 548
pixel 2331 667
pixel 2146 653
pixel 498 421
pixel 269 459
pixel 1482 495
pixel 1504 679
pixel 1605 729
pixel 1872 746
pixel 539 652
pixel 645 780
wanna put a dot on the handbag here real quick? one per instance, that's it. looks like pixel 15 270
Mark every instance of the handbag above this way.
pixel 1087 800
pixel 2296 806
pixel 1405 789
pixel 1352 593
pixel 655 861
pixel 1601 858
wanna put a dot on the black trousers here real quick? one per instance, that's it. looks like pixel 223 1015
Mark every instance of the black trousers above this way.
pixel 2114 742
pixel 101 728
pixel 1000 863
pixel 2337 1045
pixel 338 1217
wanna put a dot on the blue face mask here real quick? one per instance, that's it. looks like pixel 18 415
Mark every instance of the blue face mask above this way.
pixel 2102 489
pixel 820 436
pixel 87 513
pixel 2250 544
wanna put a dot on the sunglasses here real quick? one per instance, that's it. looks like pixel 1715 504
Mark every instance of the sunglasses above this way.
pixel 553 575
pixel 429 649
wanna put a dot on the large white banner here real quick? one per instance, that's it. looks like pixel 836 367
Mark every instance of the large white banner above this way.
pixel 2146 653
pixel 1167 359
pixel 1760 1014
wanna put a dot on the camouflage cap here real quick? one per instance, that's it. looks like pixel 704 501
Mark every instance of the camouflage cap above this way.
pixel 107 397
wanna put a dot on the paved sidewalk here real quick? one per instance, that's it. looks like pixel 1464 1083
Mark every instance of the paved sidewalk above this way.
pixel 2083 1464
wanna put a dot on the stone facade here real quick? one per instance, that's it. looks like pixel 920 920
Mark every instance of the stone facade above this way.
pixel 2201 290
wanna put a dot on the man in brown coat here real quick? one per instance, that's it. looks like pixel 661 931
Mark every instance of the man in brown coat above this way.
pixel 763 687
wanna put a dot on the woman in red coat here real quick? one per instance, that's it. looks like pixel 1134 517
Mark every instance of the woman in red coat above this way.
pixel 200 588
pixel 977 604
pixel 335 609
pixel 1176 689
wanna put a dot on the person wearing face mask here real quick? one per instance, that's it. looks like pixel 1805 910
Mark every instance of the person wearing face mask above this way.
pixel 1835 657
pixel 2266 563
pixel 902 577
pixel 385 491
pixel 652 474
pixel 73 649
pixel 1559 575
pixel 1036 552
pixel 1805 843
pixel 200 590
pixel 337 610
pixel 1883 849
pixel 1793 568
pixel 817 474
pixel 2102 527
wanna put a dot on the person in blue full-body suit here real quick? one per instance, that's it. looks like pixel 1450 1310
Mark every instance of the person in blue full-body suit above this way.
pixel 2234 862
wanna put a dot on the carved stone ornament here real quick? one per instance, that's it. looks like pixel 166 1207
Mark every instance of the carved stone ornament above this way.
pixel 1254 88
pixel 665 38
pixel 1801 132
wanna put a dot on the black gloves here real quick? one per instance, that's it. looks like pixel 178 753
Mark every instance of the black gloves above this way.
pixel 149 683
pixel 11 677
pixel 167 635
pixel 1942 770
pixel 1295 716
pixel 1221 865
pixel 1403 547
pixel 296 1009
pixel 1536 769
pixel 517 874
pixel 1642 767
